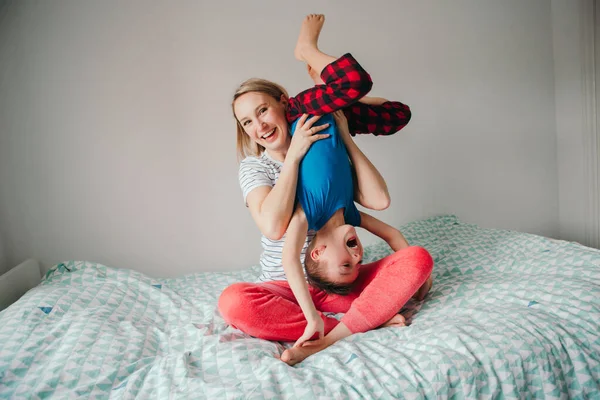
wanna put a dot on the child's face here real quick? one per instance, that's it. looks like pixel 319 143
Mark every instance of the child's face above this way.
pixel 340 252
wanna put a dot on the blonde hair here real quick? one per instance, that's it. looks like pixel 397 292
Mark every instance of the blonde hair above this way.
pixel 246 146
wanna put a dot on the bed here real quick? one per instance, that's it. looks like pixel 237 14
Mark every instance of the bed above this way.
pixel 511 315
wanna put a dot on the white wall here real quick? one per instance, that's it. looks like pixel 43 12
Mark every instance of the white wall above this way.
pixel 117 144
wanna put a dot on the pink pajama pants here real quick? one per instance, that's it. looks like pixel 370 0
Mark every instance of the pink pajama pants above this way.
pixel 270 311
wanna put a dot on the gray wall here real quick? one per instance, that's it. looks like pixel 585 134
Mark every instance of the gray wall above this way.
pixel 3 264
pixel 117 144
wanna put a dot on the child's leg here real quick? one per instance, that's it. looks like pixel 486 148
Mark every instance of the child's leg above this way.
pixel 371 114
pixel 267 311
pixel 382 288
pixel 314 75
pixel 344 80
pixel 379 119
pixel 307 49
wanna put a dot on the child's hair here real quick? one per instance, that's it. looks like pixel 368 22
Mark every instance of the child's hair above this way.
pixel 315 277
pixel 245 145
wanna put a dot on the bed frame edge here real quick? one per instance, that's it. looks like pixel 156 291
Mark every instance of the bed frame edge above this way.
pixel 18 280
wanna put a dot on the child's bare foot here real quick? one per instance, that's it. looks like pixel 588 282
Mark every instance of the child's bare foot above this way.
pixel 294 355
pixel 397 320
pixel 309 35
pixel 314 75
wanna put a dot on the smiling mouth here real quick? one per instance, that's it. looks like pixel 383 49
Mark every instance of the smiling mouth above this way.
pixel 352 242
pixel 268 134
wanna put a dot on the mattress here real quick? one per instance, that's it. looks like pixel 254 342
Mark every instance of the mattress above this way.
pixel 510 315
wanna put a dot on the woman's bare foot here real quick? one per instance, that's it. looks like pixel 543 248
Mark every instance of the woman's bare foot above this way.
pixel 397 320
pixel 294 355
pixel 309 35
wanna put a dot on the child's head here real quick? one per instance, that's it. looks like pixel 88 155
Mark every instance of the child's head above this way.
pixel 333 258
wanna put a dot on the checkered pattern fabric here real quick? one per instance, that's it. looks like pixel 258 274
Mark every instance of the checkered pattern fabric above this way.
pixel 345 83
pixel 385 119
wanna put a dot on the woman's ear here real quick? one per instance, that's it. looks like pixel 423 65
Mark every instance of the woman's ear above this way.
pixel 317 252
pixel 283 100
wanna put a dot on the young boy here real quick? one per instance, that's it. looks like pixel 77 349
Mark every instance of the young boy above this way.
pixel 326 205
pixel 335 253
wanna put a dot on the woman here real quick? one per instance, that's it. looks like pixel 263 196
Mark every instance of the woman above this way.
pixel 263 111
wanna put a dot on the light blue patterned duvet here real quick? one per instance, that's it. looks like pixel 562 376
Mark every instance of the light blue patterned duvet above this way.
pixel 511 315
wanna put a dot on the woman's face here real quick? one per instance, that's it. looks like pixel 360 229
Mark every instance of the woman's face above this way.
pixel 263 120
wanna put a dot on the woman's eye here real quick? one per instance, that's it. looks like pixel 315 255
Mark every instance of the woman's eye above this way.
pixel 245 123
pixel 262 110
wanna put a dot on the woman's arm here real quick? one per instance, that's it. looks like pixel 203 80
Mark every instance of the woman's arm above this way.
pixel 292 248
pixel 373 101
pixel 370 189
pixel 272 207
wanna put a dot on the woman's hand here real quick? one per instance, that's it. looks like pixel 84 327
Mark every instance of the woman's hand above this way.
pixel 304 136
pixel 314 325
pixel 423 290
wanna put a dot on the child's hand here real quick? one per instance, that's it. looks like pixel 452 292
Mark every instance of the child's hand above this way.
pixel 342 122
pixel 314 324
pixel 305 135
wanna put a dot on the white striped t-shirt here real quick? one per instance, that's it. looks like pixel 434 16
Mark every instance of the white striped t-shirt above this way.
pixel 264 171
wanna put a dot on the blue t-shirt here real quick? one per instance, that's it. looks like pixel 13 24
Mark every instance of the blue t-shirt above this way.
pixel 325 179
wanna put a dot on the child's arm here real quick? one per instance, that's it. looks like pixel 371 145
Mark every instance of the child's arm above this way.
pixel 292 248
pixel 396 240
pixel 370 189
